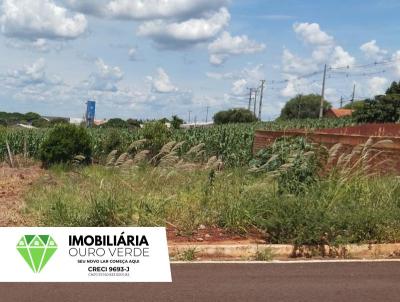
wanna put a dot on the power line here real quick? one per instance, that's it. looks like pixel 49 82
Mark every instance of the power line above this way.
pixel 376 63
pixel 333 69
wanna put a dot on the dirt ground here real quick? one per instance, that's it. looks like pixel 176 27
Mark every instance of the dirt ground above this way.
pixel 13 185
pixel 214 235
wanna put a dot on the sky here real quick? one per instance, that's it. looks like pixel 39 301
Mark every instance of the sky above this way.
pixel 157 58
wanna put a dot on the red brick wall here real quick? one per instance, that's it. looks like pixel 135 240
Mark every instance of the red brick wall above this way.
pixel 349 137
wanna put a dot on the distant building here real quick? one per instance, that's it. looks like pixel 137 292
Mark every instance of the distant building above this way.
pixel 76 121
pixel 338 113
pixel 197 125
pixel 56 118
pixel 79 121
pixel 99 122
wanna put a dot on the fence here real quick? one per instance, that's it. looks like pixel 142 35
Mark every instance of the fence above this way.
pixel 349 137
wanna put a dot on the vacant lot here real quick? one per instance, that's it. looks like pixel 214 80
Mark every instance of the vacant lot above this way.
pixel 332 211
pixel 14 183
pixel 293 192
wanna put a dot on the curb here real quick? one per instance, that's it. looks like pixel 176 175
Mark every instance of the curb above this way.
pixel 284 252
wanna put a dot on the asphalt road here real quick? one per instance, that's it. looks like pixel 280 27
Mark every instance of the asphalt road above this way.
pixel 234 282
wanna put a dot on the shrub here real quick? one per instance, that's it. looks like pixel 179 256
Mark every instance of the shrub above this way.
pixel 234 116
pixel 382 109
pixel 176 122
pixel 113 141
pixel 116 123
pixel 133 123
pixel 293 161
pixel 157 133
pixel 41 123
pixel 64 143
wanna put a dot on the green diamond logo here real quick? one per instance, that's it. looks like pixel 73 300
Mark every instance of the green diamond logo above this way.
pixel 36 250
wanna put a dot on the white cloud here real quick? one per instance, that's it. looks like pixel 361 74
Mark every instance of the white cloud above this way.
pixel 290 90
pixel 31 83
pixel 132 54
pixel 185 33
pixel 377 85
pixel 40 19
pixel 372 50
pixel 396 59
pixel 162 83
pixel 241 80
pixel 88 7
pixel 239 87
pixel 105 78
pixel 341 58
pixel 146 9
pixel 161 9
pixel 311 33
pixel 39 45
pixel 296 86
pixel 29 75
pixel 217 59
pixel 293 64
pixel 226 45
pixel 171 24
pixel 325 48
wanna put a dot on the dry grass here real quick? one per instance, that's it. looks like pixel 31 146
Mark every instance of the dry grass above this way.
pixel 170 156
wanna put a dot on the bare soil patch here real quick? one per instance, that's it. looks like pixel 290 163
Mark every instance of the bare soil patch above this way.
pixel 214 235
pixel 14 183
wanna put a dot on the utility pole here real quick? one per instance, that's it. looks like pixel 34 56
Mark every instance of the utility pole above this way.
pixel 353 96
pixel 255 101
pixel 250 97
pixel 261 99
pixel 341 102
pixel 321 109
pixel 208 107
pixel 299 107
pixel 190 112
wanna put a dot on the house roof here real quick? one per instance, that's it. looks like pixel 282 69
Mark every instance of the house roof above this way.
pixel 341 112
pixel 99 122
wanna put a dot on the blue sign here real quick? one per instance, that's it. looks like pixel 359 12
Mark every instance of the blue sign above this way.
pixel 90 112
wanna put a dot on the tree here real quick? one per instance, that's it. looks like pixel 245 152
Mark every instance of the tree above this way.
pixel 164 120
pixel 116 123
pixel 394 88
pixel 356 105
pixel 381 109
pixel 304 106
pixel 234 116
pixel 133 123
pixel 176 122
pixel 16 118
pixel 58 121
pixel 41 123
pixel 32 116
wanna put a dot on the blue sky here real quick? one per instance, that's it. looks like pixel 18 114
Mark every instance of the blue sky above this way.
pixel 156 58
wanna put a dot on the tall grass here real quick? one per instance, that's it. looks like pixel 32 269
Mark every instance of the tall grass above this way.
pixel 328 212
